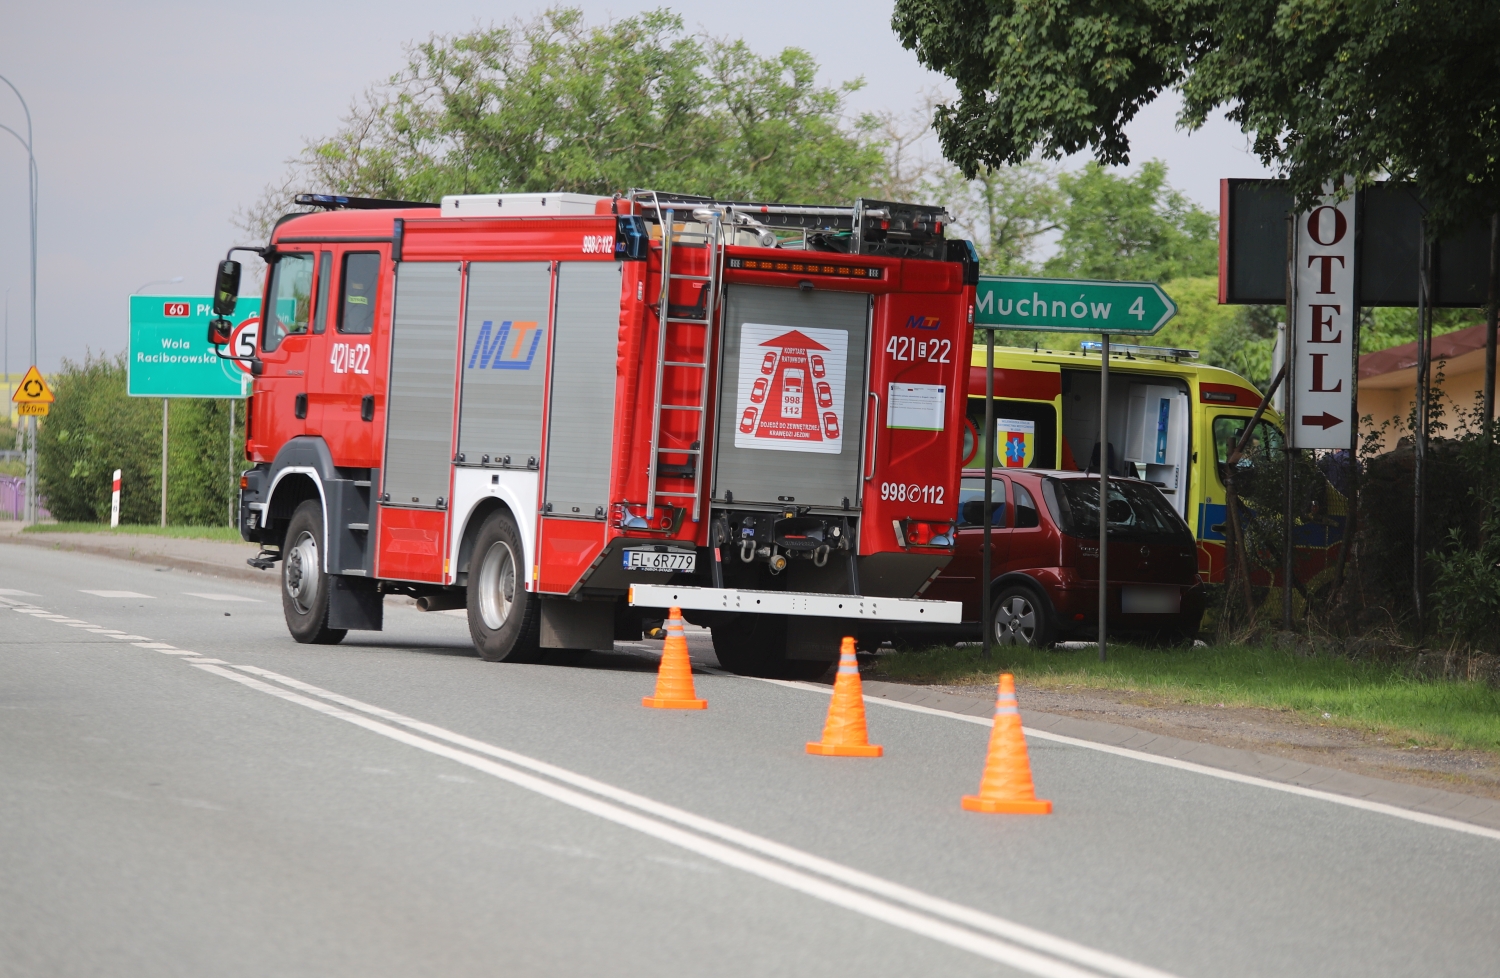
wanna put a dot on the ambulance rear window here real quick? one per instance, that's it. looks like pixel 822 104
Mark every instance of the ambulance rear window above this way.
pixel 359 287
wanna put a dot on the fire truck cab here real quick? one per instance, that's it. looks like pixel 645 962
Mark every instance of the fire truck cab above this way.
pixel 564 412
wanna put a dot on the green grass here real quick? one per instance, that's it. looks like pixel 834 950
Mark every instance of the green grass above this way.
pixel 1379 698
pixel 225 533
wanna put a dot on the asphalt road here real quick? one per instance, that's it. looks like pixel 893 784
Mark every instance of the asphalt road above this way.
pixel 236 804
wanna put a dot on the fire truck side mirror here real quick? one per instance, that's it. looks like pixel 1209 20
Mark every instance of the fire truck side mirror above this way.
pixel 218 332
pixel 227 288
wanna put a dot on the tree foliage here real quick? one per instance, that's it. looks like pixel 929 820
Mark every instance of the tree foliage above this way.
pixel 93 429
pixel 557 104
pixel 96 427
pixel 1325 87
pixel 1131 228
pixel 1007 212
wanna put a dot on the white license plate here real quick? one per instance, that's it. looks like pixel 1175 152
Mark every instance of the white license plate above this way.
pixel 668 562
pixel 1150 600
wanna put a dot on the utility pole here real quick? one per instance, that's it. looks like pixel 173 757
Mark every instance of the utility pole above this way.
pixel 31 507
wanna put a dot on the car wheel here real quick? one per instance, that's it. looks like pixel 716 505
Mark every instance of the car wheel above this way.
pixel 304 582
pixel 504 618
pixel 1021 617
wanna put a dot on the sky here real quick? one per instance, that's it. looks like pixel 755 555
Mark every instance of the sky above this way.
pixel 154 122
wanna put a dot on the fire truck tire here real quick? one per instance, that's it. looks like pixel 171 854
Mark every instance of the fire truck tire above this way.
pixel 755 645
pixel 304 582
pixel 504 618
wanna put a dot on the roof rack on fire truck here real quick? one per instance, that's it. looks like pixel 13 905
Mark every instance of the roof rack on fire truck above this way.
pixel 867 227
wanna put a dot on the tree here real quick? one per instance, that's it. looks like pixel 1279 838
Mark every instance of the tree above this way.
pixel 96 427
pixel 1131 227
pixel 555 104
pixel 1326 87
pixel 93 429
pixel 1006 211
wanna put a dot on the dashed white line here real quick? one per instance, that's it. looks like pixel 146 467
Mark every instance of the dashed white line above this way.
pixel 116 594
pixel 220 597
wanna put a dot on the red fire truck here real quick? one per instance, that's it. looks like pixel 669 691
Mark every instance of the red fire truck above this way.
pixel 565 412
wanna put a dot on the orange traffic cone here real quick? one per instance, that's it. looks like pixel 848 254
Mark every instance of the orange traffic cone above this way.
pixel 674 680
pixel 844 735
pixel 1006 784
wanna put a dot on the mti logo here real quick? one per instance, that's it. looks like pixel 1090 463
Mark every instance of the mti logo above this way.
pixel 924 322
pixel 512 347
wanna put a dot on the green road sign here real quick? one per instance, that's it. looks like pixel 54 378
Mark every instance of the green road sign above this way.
pixel 170 355
pixel 1072 305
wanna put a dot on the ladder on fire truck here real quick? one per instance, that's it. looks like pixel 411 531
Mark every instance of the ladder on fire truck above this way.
pixel 677 320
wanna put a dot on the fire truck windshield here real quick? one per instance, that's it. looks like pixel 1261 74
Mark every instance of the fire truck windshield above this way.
pixel 291 295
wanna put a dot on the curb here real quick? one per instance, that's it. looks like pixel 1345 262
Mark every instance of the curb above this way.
pixel 210 568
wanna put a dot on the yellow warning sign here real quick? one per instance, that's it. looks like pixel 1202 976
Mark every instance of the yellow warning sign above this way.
pixel 32 390
pixel 33 409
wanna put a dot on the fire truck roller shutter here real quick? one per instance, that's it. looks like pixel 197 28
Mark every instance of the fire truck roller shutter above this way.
pixel 580 433
pixel 419 427
pixel 505 362
pixel 800 434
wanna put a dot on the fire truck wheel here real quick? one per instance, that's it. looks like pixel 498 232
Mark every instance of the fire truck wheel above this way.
pixel 755 645
pixel 504 618
pixel 1022 618
pixel 304 582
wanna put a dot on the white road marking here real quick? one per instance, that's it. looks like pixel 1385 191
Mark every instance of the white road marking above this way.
pixel 219 597
pixel 130 638
pixel 157 646
pixel 18 594
pixel 837 892
pixel 116 594
pixel 1437 821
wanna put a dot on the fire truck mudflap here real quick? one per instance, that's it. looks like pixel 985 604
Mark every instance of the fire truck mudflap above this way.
pixel 544 400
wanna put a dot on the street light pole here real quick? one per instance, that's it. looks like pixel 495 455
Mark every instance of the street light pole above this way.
pixel 32 187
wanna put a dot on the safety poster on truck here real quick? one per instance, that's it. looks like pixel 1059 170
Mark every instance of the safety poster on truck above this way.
pixel 791 389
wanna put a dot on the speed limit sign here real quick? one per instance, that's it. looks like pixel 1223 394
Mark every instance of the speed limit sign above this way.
pixel 242 342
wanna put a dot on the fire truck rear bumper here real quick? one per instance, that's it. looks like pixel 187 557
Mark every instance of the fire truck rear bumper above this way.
pixel 796 603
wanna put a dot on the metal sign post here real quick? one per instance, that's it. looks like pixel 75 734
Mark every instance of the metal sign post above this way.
pixel 1103 494
pixel 987 445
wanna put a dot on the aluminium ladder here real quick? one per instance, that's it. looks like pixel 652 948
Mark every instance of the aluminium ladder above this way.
pixel 668 321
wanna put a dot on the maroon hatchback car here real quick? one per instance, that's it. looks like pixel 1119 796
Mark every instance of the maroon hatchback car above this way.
pixel 1045 559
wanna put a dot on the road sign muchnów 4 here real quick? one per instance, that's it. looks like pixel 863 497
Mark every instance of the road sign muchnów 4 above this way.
pixel 1071 305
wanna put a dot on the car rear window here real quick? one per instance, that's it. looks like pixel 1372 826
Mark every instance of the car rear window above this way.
pixel 1136 511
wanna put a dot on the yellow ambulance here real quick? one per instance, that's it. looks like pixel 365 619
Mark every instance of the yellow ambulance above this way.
pixel 1172 422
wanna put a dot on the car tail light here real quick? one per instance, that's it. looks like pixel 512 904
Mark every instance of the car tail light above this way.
pixel 923 533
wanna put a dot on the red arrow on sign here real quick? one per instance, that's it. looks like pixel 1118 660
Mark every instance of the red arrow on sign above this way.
pixel 1324 420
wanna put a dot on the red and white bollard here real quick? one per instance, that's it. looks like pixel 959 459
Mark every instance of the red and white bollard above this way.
pixel 114 501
